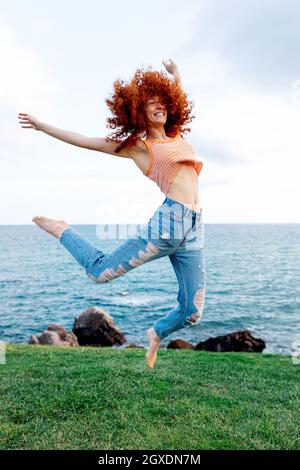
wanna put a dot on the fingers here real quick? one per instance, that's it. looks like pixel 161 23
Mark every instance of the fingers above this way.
pixel 24 120
pixel 23 116
pixel 26 116
pixel 169 63
pixel 20 116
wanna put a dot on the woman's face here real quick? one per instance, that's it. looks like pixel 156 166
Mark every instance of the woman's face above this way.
pixel 156 112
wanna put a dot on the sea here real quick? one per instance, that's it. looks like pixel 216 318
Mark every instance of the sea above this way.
pixel 252 280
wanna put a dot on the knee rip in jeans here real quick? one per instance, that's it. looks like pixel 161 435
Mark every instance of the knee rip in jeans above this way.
pixel 109 274
pixel 198 301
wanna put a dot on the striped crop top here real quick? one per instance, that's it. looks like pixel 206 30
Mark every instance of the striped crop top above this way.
pixel 166 158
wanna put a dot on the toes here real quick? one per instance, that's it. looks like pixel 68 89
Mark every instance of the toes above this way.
pixel 151 362
pixel 151 358
pixel 40 218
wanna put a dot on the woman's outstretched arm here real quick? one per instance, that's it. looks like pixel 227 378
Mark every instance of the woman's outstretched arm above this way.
pixel 92 143
pixel 32 122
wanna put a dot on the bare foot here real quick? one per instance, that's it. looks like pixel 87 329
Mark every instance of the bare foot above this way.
pixel 154 342
pixel 53 226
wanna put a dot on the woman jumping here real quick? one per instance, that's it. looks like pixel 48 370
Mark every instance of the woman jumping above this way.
pixel 149 115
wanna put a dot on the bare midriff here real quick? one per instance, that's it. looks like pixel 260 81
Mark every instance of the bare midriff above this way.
pixel 184 187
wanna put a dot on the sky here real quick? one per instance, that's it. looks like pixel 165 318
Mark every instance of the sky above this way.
pixel 239 64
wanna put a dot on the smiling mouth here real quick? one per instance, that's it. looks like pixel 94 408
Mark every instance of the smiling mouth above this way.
pixel 159 113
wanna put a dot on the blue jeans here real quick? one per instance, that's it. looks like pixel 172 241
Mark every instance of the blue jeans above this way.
pixel 173 230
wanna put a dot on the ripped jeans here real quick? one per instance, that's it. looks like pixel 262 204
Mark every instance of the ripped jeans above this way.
pixel 173 230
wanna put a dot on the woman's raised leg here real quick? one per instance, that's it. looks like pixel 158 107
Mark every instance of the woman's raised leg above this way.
pixel 189 267
pixel 103 267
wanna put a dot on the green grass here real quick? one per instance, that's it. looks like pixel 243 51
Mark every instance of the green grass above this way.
pixel 107 398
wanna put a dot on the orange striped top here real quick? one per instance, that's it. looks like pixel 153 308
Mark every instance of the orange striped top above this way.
pixel 166 158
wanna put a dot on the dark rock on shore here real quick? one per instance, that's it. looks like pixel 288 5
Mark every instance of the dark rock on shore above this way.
pixel 55 335
pixel 180 344
pixel 95 327
pixel 238 341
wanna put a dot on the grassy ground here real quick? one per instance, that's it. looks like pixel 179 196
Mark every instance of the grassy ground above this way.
pixel 107 398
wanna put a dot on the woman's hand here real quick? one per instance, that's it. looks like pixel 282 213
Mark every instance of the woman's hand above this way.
pixel 31 121
pixel 171 67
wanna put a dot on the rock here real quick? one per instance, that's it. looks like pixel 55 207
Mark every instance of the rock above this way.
pixel 180 344
pixel 131 345
pixel 55 335
pixel 238 341
pixel 95 327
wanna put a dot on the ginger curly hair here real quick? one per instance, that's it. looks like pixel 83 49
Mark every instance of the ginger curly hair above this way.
pixel 127 105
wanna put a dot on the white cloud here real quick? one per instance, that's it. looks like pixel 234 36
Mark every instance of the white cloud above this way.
pixel 41 25
pixel 25 78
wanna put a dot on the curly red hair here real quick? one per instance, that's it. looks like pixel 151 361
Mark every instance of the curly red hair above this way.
pixel 127 105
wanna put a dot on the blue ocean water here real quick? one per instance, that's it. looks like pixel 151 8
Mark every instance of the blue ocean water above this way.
pixel 253 273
